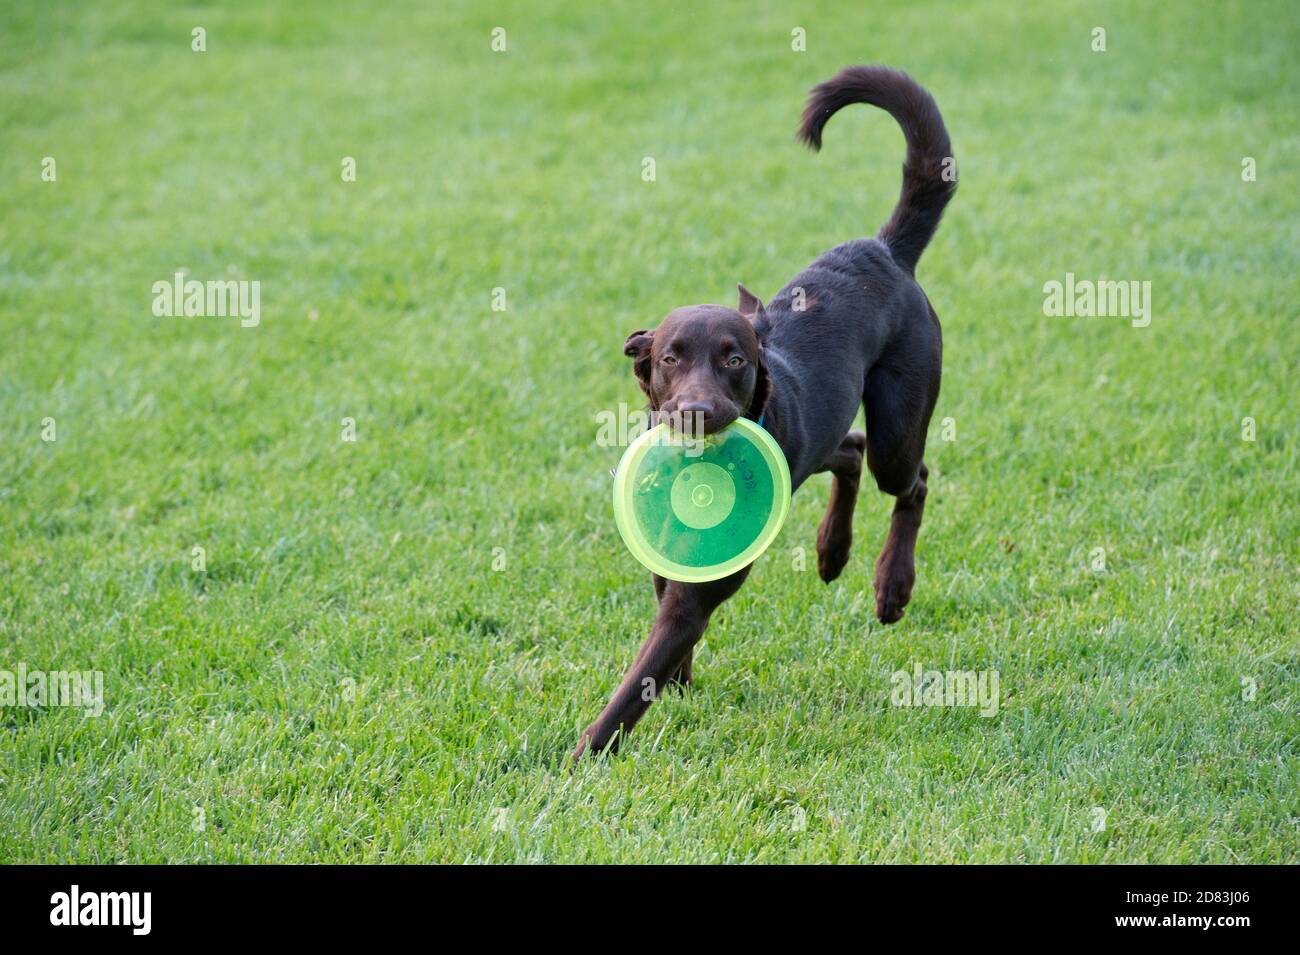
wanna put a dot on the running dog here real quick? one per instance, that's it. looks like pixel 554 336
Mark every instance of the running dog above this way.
pixel 854 328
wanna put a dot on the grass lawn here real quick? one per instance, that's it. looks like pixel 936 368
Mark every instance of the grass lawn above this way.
pixel 393 642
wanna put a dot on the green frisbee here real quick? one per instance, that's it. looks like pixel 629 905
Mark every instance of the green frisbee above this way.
pixel 700 509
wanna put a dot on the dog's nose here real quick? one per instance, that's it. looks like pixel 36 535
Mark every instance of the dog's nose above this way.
pixel 696 416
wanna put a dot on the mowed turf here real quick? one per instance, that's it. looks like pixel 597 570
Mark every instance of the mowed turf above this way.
pixel 397 639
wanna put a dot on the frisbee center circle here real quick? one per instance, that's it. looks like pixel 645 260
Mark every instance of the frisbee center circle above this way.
pixel 703 495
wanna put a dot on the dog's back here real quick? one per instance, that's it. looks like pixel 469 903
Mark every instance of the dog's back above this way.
pixel 835 320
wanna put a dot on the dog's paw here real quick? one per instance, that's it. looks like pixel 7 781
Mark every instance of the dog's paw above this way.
pixel 831 559
pixel 893 590
pixel 831 563
pixel 592 744
pixel 833 550
pixel 889 608
pixel 583 751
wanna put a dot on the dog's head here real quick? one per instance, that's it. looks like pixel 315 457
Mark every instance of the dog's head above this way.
pixel 703 365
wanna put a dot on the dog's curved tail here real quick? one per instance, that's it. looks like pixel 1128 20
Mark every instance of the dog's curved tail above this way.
pixel 929 176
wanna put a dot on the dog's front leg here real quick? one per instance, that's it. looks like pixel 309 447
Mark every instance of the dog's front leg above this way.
pixel 682 678
pixel 684 611
pixel 683 675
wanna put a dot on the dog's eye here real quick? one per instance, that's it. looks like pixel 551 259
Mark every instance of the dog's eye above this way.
pixel 735 361
pixel 669 359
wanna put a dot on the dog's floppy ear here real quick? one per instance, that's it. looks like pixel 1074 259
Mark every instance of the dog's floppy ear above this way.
pixel 637 347
pixel 762 388
pixel 750 306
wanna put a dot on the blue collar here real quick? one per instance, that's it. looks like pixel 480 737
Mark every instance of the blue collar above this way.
pixel 760 418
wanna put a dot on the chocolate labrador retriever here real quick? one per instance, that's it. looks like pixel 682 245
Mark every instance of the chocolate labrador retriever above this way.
pixel 854 327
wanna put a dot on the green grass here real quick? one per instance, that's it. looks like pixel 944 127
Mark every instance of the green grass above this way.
pixel 370 564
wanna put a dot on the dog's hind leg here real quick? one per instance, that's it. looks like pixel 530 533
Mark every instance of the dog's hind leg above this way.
pixel 898 413
pixel 835 533
pixel 896 565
